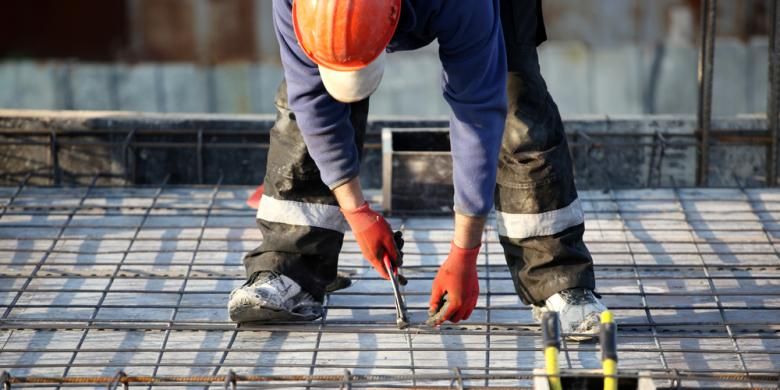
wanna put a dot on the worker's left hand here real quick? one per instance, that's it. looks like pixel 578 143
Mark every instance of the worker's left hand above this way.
pixel 457 278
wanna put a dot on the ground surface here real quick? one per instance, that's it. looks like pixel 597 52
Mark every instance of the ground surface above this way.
pixel 94 280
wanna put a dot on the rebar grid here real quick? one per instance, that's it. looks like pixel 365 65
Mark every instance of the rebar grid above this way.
pixel 95 280
pixel 125 140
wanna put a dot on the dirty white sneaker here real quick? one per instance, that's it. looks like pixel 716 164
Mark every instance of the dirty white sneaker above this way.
pixel 579 311
pixel 271 296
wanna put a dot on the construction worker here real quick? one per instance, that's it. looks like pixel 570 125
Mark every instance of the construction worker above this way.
pixel 333 55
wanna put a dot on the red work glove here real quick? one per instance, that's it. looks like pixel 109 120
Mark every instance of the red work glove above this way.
pixel 374 236
pixel 457 279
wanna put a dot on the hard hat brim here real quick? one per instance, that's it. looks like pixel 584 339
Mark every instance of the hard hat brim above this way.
pixel 348 86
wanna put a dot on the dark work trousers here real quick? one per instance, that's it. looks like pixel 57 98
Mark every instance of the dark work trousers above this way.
pixel 540 219
pixel 302 227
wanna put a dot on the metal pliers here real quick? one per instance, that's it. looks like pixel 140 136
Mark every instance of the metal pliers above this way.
pixel 402 320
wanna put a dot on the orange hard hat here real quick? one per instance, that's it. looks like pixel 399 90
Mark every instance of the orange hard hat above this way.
pixel 345 35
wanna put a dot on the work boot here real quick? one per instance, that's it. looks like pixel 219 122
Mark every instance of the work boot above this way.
pixel 271 296
pixel 579 311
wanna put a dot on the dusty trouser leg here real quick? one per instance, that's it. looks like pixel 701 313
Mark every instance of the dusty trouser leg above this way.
pixel 302 226
pixel 540 219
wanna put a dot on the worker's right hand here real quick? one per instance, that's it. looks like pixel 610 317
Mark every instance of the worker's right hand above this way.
pixel 374 237
pixel 457 280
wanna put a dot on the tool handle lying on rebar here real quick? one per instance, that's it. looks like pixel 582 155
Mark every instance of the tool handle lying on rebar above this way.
pixel 609 358
pixel 551 338
pixel 400 307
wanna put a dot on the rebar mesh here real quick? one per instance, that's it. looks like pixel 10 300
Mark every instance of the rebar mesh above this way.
pixel 94 281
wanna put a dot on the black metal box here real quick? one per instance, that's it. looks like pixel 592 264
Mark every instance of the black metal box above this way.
pixel 416 171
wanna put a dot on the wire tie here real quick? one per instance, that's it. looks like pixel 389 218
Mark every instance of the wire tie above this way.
pixel 230 380
pixel 5 377
pixel 458 379
pixel 117 379
pixel 347 382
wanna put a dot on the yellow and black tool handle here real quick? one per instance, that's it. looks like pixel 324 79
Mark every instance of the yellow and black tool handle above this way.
pixel 609 357
pixel 551 338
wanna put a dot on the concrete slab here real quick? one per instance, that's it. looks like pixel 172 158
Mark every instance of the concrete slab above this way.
pixel 685 263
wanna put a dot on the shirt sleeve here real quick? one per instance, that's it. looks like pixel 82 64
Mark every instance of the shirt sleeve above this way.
pixel 324 122
pixel 472 52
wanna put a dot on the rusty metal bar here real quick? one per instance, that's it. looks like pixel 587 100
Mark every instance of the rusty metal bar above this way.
pixel 126 154
pixel 705 74
pixel 337 379
pixel 55 160
pixel 199 156
pixel 485 244
pixel 773 100
pixel 583 348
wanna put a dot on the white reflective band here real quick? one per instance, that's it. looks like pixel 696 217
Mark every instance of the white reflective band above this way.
pixel 301 214
pixel 543 224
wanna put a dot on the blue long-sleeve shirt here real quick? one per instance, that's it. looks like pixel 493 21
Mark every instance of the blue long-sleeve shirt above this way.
pixel 471 49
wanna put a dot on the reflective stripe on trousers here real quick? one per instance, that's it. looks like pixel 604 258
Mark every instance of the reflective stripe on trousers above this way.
pixel 301 214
